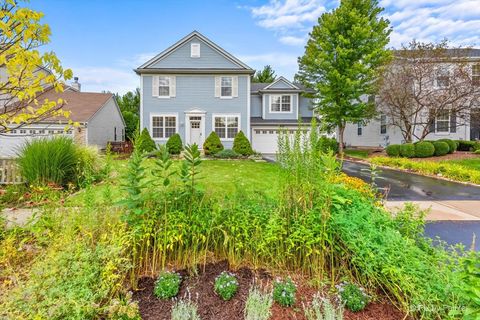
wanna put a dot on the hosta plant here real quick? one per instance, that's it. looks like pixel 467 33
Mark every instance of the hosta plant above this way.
pixel 352 296
pixel 284 292
pixel 226 285
pixel 167 285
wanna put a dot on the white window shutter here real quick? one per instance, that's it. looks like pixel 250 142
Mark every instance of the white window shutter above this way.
pixel 173 86
pixel 217 86
pixel 155 91
pixel 235 86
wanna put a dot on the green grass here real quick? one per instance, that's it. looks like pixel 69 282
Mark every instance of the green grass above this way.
pixel 362 154
pixel 217 177
pixel 473 163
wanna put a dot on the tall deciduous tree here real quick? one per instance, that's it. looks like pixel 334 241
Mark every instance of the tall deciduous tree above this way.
pixel 24 71
pixel 129 105
pixel 266 75
pixel 425 82
pixel 343 59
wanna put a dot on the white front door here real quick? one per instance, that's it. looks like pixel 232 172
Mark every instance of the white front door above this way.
pixel 196 131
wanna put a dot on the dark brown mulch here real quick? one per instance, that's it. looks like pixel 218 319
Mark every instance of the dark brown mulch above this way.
pixel 211 307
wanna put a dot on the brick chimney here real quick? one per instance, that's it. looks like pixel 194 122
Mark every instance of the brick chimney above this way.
pixel 76 85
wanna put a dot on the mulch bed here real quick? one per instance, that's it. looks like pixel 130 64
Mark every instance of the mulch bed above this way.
pixel 211 307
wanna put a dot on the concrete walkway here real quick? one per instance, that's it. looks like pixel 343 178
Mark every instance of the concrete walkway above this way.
pixel 454 210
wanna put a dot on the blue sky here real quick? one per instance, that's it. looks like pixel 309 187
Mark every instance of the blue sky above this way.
pixel 102 41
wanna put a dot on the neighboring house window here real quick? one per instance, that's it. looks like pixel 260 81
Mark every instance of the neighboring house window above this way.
pixel 163 126
pixel 226 127
pixel 195 50
pixel 226 86
pixel 359 128
pixel 476 74
pixel 164 86
pixel 280 103
pixel 383 124
pixel 23 131
pixel 443 78
pixel 114 133
pixel 442 121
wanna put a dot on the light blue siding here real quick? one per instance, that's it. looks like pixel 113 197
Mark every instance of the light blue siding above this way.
pixel 209 58
pixel 305 107
pixel 195 92
pixel 281 84
pixel 256 105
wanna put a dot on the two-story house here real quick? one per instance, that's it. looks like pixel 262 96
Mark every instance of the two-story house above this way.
pixel 195 87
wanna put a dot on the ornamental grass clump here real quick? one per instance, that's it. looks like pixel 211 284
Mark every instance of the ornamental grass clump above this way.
pixel 226 285
pixel 167 285
pixel 284 292
pixel 353 297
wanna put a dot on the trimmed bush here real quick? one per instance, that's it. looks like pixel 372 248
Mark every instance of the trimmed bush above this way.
pixel 212 144
pixel 424 149
pixel 393 150
pixel 56 160
pixel 144 142
pixel 452 145
pixel 167 285
pixel 227 154
pixel 407 150
pixel 226 285
pixel 174 144
pixel 241 145
pixel 441 148
pixel 284 292
pixel 326 144
pixel 463 145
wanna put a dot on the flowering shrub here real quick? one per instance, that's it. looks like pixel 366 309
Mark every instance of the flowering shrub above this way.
pixel 167 285
pixel 353 297
pixel 284 292
pixel 355 184
pixel 226 285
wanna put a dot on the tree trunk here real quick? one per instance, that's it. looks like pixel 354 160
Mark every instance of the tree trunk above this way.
pixel 341 130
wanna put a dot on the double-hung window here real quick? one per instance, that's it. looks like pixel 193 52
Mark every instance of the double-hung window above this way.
pixel 443 121
pixel 163 127
pixel 442 78
pixel 281 103
pixel 226 86
pixel 359 128
pixel 476 74
pixel 163 86
pixel 226 126
pixel 383 124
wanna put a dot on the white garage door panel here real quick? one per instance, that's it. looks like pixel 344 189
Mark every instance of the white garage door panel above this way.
pixel 265 140
pixel 9 146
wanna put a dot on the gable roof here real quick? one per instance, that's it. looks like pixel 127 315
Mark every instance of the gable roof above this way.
pixel 82 105
pixel 261 87
pixel 148 66
pixel 281 79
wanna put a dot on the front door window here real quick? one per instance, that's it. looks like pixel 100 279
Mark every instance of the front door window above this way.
pixel 196 131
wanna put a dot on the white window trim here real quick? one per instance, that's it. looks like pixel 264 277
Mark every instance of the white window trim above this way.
pixel 191 50
pixel 281 95
pixel 436 78
pixel 386 124
pixel 231 86
pixel 187 126
pixel 443 133
pixel 169 87
pixel 162 115
pixel 214 115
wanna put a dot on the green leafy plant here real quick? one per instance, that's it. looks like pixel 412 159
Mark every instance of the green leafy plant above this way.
pixel 466 145
pixel 174 144
pixel 241 145
pixel 227 154
pixel 407 150
pixel 452 145
pixel 258 305
pixel 167 285
pixel 123 308
pixel 352 296
pixel 424 149
pixel 144 142
pixel 470 275
pixel 185 309
pixel 212 144
pixel 441 148
pixel 325 144
pixel 226 285
pixel 189 169
pixel 393 150
pixel 322 309
pixel 284 292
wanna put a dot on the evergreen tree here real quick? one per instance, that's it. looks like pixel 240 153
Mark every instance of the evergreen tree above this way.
pixel 267 75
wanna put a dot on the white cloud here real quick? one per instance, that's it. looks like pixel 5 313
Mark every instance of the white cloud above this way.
pixel 293 41
pixel 98 79
pixel 274 58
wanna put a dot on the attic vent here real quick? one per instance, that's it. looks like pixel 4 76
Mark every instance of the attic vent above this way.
pixel 195 50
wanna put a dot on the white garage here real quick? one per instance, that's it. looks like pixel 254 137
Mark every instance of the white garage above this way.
pixel 265 140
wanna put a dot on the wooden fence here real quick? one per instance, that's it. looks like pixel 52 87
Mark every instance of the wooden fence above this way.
pixel 9 173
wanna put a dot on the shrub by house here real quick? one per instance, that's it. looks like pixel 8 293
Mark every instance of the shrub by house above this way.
pixel 241 145
pixel 212 144
pixel 174 144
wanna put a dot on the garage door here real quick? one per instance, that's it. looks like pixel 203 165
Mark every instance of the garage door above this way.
pixel 264 140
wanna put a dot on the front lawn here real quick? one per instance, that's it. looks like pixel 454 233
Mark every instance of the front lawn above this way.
pixel 472 163
pixel 354 153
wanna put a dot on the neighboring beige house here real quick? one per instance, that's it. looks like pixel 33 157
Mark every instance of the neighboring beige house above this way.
pixel 97 114
pixel 379 132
